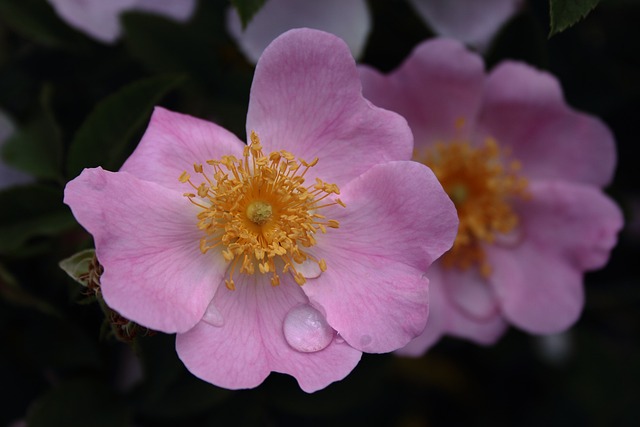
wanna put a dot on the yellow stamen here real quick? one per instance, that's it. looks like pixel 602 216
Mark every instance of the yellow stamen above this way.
pixel 482 187
pixel 260 212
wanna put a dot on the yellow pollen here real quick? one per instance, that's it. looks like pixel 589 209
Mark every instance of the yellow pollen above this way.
pixel 482 182
pixel 258 212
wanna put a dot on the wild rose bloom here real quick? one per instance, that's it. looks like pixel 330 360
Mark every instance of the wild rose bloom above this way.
pixel 525 172
pixel 293 254
pixel 350 20
pixel 9 176
pixel 100 19
pixel 470 21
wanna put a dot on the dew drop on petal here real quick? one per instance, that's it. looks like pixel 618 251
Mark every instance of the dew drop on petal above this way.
pixel 365 340
pixel 306 330
pixel 213 316
pixel 309 269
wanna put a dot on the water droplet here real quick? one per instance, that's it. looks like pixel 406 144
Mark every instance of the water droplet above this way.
pixel 306 330
pixel 309 269
pixel 213 316
pixel 365 340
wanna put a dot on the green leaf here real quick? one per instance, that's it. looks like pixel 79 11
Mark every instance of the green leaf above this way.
pixel 31 211
pixel 169 391
pixel 103 137
pixel 165 46
pixel 36 148
pixel 565 13
pixel 80 402
pixel 247 9
pixel 77 265
pixel 36 20
pixel 13 293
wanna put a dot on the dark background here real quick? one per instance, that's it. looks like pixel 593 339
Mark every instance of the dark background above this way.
pixel 58 365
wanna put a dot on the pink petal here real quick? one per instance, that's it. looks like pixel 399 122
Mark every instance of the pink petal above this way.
pixel 568 228
pixel 148 242
pixel 173 142
pixel 574 222
pixel 251 343
pixel 348 20
pixel 471 21
pixel 97 18
pixel 484 331
pixel 438 85
pixel 439 313
pixel 480 322
pixel 397 221
pixel 524 109
pixel 469 294
pixel 179 10
pixel 473 311
pixel 306 98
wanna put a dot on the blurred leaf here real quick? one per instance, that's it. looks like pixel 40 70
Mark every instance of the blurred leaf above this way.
pixel 169 390
pixel 166 46
pixel 103 137
pixel 56 343
pixel 246 9
pixel 77 265
pixel 81 402
pixel 565 13
pixel 36 20
pixel 36 148
pixel 11 291
pixel 36 210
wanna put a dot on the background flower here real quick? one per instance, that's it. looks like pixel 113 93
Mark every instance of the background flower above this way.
pixel 525 171
pixel 472 22
pixel 349 20
pixel 101 19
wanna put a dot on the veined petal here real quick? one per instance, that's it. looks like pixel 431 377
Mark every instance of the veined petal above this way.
pixel 348 20
pixel 568 228
pixel 524 110
pixel 390 221
pixel 172 144
pixel 251 343
pixel 471 21
pixel 306 98
pixel 438 89
pixel 147 240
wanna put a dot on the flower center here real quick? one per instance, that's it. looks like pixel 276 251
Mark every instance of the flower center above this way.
pixel 482 182
pixel 258 211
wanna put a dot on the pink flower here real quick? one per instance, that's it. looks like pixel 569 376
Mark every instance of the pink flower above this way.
pixel 525 172
pixel 100 19
pixel 349 20
pixel 247 252
pixel 470 21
